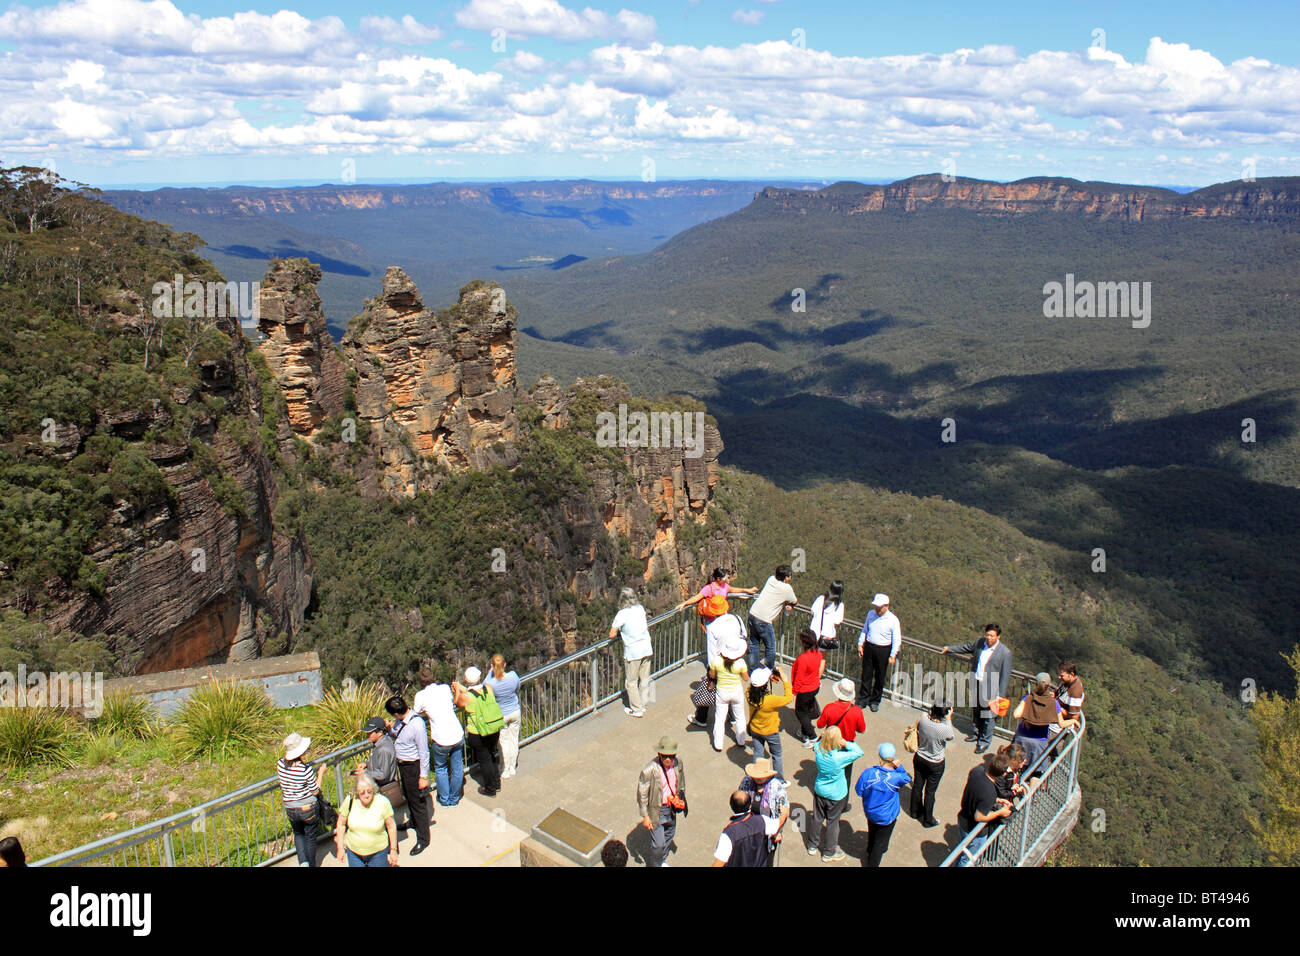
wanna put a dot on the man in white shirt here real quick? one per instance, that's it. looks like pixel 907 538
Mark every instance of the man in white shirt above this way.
pixel 776 596
pixel 638 651
pixel 435 702
pixel 878 643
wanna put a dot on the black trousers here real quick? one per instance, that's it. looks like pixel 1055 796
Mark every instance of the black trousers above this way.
pixel 807 711
pixel 484 749
pixel 417 800
pixel 875 666
pixel 925 785
pixel 878 835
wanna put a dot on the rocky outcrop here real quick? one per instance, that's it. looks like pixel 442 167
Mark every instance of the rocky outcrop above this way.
pixel 436 390
pixel 1265 199
pixel 190 579
pixel 297 347
pixel 656 506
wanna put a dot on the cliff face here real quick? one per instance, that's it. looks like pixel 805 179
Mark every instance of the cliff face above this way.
pixel 658 507
pixel 253 201
pixel 1265 199
pixel 298 348
pixel 437 391
pixel 186 581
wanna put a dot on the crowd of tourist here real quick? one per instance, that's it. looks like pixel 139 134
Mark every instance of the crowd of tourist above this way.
pixel 742 686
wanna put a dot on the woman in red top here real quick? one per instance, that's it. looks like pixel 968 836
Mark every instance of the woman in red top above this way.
pixel 805 681
pixel 846 715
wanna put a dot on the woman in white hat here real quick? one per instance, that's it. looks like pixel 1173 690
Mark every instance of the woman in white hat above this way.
pixel 483 724
pixel 768 693
pixel 731 676
pixel 299 786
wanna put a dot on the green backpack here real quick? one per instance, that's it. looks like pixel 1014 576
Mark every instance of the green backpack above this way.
pixel 487 715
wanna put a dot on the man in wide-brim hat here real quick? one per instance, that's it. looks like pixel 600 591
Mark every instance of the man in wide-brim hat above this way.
pixel 771 797
pixel 660 796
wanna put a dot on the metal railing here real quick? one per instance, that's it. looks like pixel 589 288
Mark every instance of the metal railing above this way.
pixel 248 827
pixel 1013 838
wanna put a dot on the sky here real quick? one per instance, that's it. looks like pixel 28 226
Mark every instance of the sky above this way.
pixel 123 92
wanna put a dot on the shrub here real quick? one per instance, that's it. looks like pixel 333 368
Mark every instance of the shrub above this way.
pixel 38 736
pixel 223 720
pixel 337 719
pixel 100 749
pixel 128 716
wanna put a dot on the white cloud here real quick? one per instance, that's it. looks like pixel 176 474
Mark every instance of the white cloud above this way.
pixel 549 18
pixel 408 32
pixel 102 77
pixel 748 18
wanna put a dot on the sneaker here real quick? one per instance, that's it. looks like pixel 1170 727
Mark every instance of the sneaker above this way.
pixel 875 707
pixel 810 743
pixel 638 713
pixel 839 855
pixel 813 850
pixel 932 822
pixel 982 748
pixel 970 738
pixel 629 711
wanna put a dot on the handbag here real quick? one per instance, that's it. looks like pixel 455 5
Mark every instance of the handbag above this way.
pixel 394 792
pixel 909 738
pixel 325 812
pixel 705 694
pixel 825 643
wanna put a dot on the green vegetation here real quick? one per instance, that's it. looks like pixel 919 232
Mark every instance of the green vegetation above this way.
pixel 1277 727
pixel 127 716
pixel 32 736
pixel 93 385
pixel 220 720
pixel 341 711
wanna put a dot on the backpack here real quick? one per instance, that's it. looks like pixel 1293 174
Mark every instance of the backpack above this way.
pixel 488 713
pixel 715 605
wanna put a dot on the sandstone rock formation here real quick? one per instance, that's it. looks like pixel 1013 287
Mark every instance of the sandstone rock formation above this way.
pixel 186 581
pixel 298 348
pixel 437 390
pixel 1264 199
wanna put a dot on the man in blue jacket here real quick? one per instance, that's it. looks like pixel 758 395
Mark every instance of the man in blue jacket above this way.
pixel 878 787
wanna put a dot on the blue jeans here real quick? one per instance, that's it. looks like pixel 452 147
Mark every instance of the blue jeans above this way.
pixel 766 633
pixel 304 821
pixel 449 773
pixel 374 859
pixel 769 744
pixel 973 847
pixel 661 837
pixel 983 728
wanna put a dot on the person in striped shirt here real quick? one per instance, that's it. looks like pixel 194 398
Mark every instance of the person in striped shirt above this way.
pixel 1069 693
pixel 299 785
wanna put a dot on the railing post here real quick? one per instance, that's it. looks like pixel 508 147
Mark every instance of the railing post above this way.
pixel 338 781
pixel 168 859
pixel 595 665
pixel 686 635
pixel 1026 809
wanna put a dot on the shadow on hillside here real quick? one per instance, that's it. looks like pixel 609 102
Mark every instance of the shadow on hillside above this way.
pixel 775 335
pixel 1202 534
pixel 285 250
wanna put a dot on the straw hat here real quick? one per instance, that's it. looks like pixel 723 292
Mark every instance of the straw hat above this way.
pixel 295 745
pixel 761 769
pixel 844 689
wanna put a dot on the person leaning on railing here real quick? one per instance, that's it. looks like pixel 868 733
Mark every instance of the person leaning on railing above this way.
pixel 366 827
pixel 980 803
pixel 299 786
pixel 1038 712
pixel 505 685
pixel 631 626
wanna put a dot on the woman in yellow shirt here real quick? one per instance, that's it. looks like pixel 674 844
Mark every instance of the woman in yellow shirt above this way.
pixel 366 827
pixel 765 713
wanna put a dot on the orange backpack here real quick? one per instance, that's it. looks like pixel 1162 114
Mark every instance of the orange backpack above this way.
pixel 715 605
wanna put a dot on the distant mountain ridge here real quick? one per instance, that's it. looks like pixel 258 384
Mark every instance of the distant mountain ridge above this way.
pixel 1264 199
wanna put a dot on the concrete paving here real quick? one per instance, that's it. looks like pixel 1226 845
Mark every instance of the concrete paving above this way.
pixel 590 768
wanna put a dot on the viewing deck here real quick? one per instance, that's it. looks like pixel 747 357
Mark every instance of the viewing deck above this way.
pixel 583 753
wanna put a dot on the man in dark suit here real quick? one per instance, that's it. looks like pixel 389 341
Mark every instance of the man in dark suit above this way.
pixel 992 660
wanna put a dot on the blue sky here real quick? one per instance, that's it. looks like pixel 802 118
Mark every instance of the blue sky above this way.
pixel 130 91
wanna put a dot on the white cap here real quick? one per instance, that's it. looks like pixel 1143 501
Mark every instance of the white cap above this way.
pixel 880 600
pixel 473 675
pixel 760 677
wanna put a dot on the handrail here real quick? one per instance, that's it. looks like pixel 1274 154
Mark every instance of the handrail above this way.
pixel 555 695
pixel 1023 806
